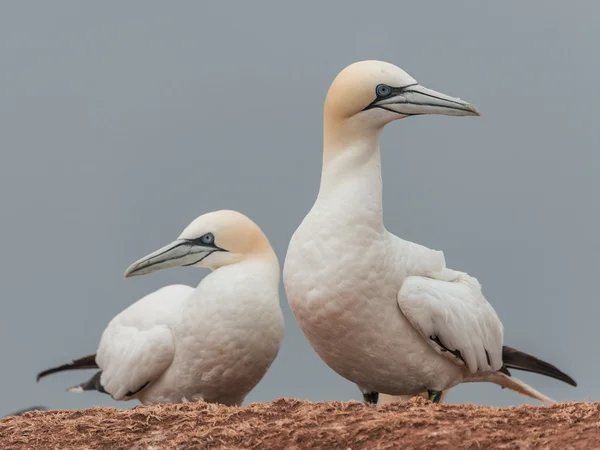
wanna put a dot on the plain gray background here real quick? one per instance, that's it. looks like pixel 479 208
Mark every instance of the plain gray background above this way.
pixel 120 122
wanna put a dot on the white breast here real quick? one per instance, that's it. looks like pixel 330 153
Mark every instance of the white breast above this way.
pixel 230 332
pixel 342 278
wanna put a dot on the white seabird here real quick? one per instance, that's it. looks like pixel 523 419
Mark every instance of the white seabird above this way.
pixel 212 343
pixel 383 312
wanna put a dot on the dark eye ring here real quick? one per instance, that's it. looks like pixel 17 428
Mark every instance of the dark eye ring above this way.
pixel 208 238
pixel 383 90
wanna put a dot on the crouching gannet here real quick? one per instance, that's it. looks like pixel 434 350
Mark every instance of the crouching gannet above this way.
pixel 383 312
pixel 212 343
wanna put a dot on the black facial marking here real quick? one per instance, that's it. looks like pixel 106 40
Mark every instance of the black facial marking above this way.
pixel 201 258
pixel 206 240
pixel 383 91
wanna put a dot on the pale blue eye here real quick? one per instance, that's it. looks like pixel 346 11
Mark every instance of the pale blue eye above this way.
pixel 383 90
pixel 208 238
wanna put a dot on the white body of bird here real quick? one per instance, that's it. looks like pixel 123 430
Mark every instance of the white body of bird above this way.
pixel 211 343
pixel 383 312
pixel 342 274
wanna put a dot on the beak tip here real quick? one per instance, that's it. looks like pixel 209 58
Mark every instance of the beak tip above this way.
pixel 475 111
pixel 130 272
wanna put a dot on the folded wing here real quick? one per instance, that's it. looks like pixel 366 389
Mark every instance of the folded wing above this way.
pixel 138 346
pixel 131 359
pixel 450 312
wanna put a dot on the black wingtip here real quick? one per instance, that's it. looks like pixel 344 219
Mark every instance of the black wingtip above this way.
pixel 51 371
pixel 87 362
pixel 518 360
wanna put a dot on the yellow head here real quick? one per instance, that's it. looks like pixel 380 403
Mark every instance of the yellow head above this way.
pixel 212 240
pixel 369 94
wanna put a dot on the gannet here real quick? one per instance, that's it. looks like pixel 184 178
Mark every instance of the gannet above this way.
pixel 385 313
pixel 212 343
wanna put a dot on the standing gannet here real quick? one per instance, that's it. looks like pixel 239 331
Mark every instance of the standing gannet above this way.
pixel 383 312
pixel 212 343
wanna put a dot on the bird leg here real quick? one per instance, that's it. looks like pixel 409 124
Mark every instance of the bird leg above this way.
pixel 434 396
pixel 371 397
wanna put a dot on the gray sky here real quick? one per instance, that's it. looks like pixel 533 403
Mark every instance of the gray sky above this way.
pixel 122 121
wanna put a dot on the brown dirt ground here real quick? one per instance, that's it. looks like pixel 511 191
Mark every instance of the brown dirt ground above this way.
pixel 295 424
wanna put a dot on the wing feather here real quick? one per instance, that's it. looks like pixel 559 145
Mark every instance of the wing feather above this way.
pixel 450 312
pixel 131 358
pixel 138 345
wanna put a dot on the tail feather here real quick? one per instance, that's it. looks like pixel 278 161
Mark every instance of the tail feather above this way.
pixel 515 359
pixel 514 384
pixel 93 384
pixel 87 362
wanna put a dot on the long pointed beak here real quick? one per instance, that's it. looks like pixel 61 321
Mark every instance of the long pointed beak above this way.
pixel 417 99
pixel 181 252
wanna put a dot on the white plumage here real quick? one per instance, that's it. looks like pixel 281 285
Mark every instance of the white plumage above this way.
pixel 139 344
pixel 449 306
pixel 211 343
pixel 383 312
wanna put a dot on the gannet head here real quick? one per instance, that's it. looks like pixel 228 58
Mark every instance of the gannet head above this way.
pixel 373 93
pixel 213 240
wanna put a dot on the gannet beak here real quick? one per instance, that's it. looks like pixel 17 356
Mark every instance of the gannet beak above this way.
pixel 416 100
pixel 182 252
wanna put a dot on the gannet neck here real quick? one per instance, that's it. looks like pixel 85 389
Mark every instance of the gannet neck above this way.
pixel 351 173
pixel 263 257
pixel 358 158
pixel 250 274
pixel 262 250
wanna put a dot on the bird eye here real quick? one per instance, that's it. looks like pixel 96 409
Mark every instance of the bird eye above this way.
pixel 383 90
pixel 208 238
